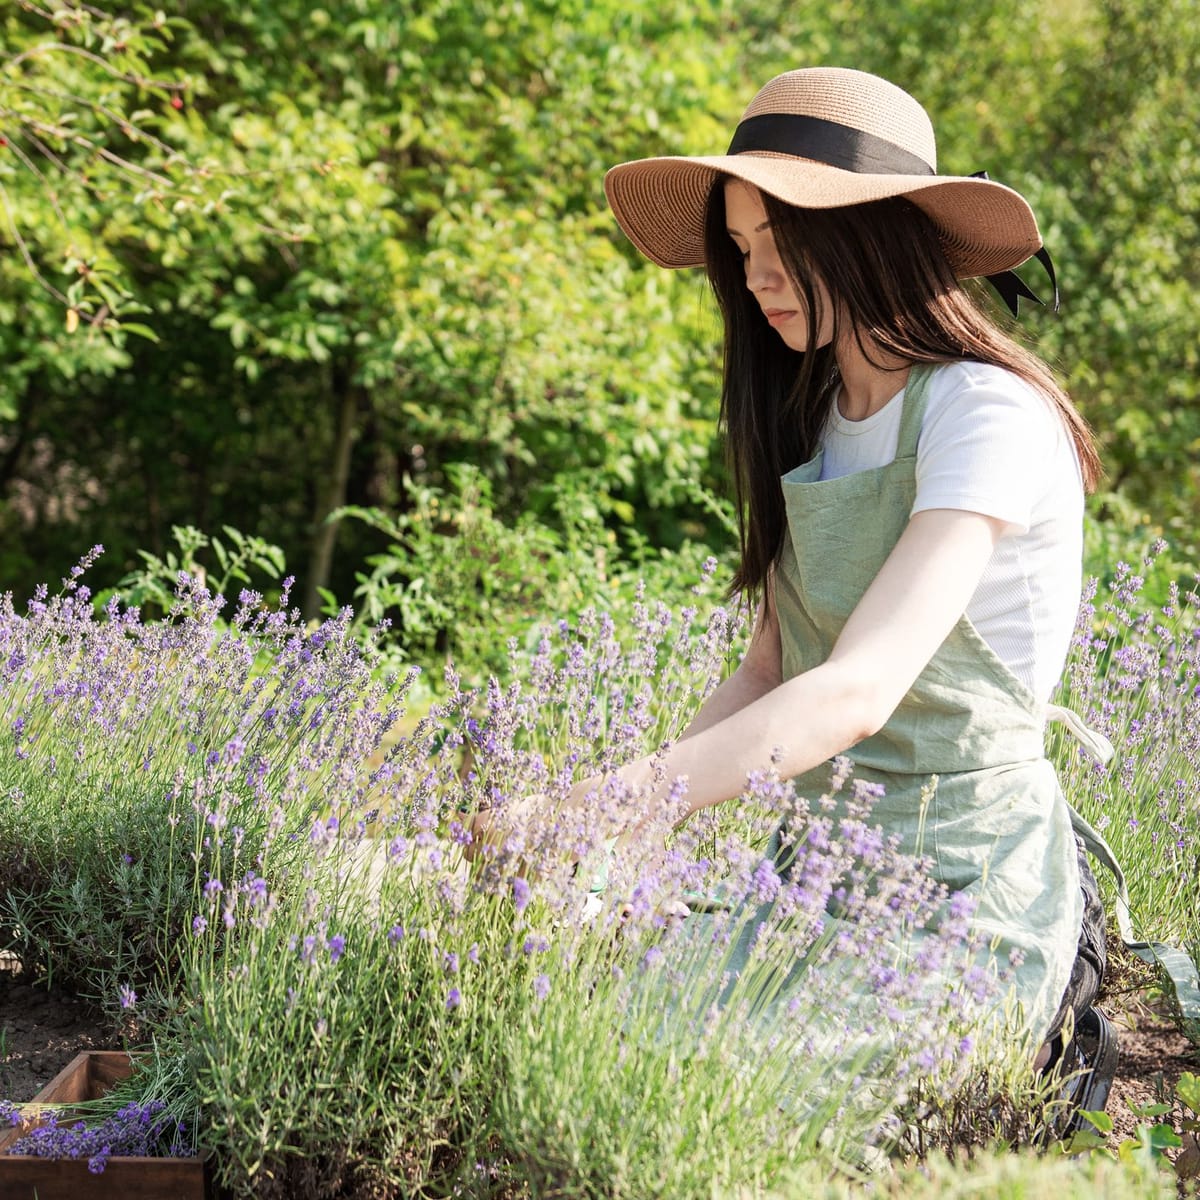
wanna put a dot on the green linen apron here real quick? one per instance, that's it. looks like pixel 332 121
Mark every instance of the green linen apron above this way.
pixel 995 825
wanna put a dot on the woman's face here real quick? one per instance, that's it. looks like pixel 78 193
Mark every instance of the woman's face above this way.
pixel 769 283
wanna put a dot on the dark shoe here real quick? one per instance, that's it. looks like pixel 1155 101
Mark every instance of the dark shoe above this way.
pixel 1088 1064
pixel 1096 1041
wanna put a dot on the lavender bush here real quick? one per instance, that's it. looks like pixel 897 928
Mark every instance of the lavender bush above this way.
pixel 359 1010
pixel 150 761
pixel 499 1030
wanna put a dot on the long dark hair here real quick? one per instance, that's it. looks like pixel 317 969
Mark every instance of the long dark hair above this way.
pixel 887 275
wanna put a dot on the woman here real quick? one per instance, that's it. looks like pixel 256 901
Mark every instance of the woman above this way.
pixel 910 483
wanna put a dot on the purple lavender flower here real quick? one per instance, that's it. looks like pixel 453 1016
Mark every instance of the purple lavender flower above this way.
pixel 137 1130
pixel 652 958
pixel 765 882
pixel 453 999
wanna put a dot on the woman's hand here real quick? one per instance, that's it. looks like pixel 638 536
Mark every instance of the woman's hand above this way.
pixel 758 673
pixel 490 828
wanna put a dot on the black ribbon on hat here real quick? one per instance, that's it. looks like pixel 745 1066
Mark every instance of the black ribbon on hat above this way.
pixel 850 149
pixel 828 142
pixel 1011 287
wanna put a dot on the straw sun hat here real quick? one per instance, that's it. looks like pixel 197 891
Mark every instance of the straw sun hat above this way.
pixel 826 137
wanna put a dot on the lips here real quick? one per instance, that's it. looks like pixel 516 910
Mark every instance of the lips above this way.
pixel 777 316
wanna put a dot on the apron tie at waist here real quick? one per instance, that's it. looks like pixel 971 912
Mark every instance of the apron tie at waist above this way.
pixel 1096 744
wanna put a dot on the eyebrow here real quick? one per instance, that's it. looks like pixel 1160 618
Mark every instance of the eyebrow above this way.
pixel 757 229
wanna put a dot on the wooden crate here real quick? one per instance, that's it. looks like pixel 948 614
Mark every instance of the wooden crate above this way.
pixel 87 1077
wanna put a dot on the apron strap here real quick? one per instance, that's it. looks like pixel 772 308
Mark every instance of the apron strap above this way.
pixel 1174 963
pixel 913 414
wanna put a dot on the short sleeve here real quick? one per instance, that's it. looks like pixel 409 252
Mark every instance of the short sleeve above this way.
pixel 989 443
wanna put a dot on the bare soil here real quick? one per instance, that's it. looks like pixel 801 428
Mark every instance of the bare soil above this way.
pixel 1153 1056
pixel 41 1030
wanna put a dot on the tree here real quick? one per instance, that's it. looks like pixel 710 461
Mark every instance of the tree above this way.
pixel 384 252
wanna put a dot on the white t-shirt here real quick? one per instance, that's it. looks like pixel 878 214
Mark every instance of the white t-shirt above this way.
pixel 991 444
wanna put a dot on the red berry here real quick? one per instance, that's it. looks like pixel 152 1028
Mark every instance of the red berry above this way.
pixel 176 102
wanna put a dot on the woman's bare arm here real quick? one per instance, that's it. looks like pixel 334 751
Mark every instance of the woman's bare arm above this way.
pixel 904 616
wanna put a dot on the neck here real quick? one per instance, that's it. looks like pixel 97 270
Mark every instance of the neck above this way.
pixel 867 383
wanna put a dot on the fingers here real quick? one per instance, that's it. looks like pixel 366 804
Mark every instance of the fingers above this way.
pixel 490 827
pixel 670 910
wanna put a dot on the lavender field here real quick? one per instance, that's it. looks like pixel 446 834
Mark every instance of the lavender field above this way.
pixel 226 828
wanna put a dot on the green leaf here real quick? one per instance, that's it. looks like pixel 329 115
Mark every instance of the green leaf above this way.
pixel 1188 1090
pixel 1099 1119
pixel 1084 1141
pixel 1162 1138
pixel 1149 1110
pixel 142 331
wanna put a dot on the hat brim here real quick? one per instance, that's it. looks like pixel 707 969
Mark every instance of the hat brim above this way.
pixel 660 203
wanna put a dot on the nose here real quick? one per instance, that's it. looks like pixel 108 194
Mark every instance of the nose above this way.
pixel 763 272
